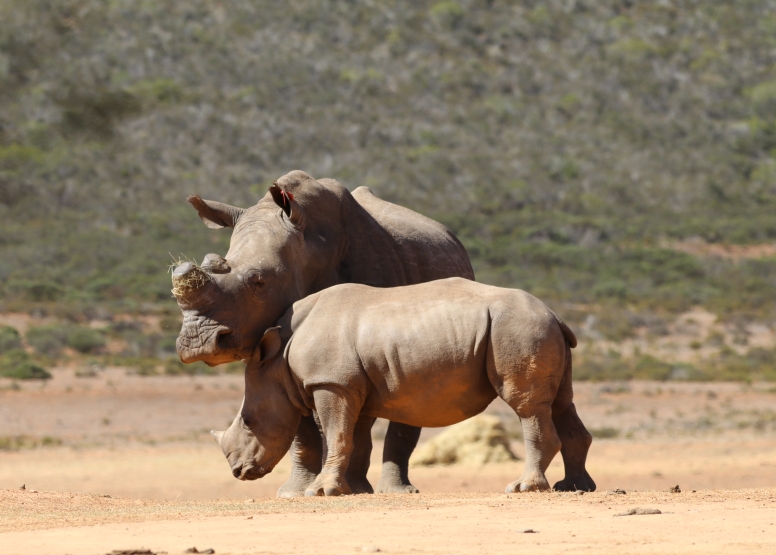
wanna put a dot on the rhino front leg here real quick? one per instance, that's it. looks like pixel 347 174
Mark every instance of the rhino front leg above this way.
pixel 400 441
pixel 306 458
pixel 338 413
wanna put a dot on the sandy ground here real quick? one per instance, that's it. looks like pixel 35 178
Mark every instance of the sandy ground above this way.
pixel 137 469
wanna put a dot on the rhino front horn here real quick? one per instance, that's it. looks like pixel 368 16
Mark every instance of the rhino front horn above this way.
pixel 188 277
pixel 218 435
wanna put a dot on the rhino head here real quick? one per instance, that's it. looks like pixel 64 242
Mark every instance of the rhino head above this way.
pixel 228 302
pixel 263 430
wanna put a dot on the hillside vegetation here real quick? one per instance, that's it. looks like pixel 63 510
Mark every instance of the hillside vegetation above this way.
pixel 572 145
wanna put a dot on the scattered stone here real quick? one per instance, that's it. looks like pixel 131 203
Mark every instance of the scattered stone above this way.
pixel 617 491
pixel 132 552
pixel 249 518
pixel 526 531
pixel 675 489
pixel 476 441
pixel 579 492
pixel 370 549
pixel 640 511
pixel 33 491
pixel 204 551
pixel 24 487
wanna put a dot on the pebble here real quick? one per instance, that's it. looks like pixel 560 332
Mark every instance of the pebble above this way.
pixel 526 531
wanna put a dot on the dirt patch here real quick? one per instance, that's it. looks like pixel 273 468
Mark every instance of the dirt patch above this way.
pixel 137 470
pixel 700 522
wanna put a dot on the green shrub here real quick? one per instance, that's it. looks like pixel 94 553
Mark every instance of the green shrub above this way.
pixel 17 364
pixel 26 371
pixel 15 443
pixel 85 340
pixel 604 433
pixel 48 340
pixel 9 339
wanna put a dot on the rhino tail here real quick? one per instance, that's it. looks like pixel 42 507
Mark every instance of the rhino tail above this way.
pixel 571 339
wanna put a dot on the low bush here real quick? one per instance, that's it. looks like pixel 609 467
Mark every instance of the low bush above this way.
pixel 9 339
pixel 51 339
pixel 48 340
pixel 86 340
pixel 17 364
pixel 604 433
pixel 15 443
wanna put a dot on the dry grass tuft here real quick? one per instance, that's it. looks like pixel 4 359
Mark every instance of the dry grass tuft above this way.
pixel 181 286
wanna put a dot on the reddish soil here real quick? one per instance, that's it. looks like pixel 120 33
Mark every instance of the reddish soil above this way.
pixel 144 443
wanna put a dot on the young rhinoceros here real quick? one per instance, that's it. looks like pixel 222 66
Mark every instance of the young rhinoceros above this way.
pixel 427 355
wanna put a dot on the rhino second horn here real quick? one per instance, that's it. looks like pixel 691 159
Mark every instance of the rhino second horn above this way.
pixel 218 435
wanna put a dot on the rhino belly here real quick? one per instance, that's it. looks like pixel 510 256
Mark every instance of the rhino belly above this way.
pixel 430 396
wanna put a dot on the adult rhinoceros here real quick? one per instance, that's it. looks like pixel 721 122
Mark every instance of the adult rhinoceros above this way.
pixel 304 236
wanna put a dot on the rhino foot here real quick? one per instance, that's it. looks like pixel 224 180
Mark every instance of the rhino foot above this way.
pixel 296 486
pixel 328 485
pixel 396 488
pixel 360 485
pixel 580 482
pixel 533 482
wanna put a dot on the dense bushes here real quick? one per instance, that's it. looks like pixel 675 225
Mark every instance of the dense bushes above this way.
pixel 50 340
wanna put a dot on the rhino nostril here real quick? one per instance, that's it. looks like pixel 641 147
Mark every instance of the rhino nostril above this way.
pixel 223 339
pixel 236 471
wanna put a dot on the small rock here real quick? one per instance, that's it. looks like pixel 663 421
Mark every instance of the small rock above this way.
pixel 617 491
pixel 640 511
pixel 249 518
pixel 370 549
pixel 33 491
pixel 131 552
pixel 526 531
pixel 204 551
pixel 675 489
pixel 579 492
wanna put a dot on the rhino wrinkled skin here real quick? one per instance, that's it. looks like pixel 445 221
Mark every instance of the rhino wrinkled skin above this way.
pixel 306 235
pixel 431 354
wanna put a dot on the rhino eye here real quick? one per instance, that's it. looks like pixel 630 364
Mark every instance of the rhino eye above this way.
pixel 255 281
pixel 247 422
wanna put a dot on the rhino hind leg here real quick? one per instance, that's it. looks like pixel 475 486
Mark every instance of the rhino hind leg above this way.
pixel 360 458
pixel 574 436
pixel 541 445
pixel 400 441
pixel 306 459
pixel 576 442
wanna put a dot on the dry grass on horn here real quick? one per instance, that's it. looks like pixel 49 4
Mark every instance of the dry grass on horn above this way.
pixel 181 285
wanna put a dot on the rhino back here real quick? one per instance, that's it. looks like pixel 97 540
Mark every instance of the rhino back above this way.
pixel 412 348
pixel 417 248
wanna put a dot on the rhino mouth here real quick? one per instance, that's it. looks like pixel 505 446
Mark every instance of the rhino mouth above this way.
pixel 205 340
pixel 245 472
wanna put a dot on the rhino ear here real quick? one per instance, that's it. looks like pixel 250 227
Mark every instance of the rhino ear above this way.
pixel 270 344
pixel 290 207
pixel 218 435
pixel 216 214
